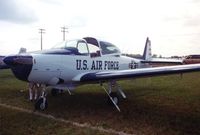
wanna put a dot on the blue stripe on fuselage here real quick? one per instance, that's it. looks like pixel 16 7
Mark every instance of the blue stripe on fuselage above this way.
pixel 67 51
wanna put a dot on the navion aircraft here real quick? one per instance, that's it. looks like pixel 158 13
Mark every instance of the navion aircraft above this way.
pixel 88 60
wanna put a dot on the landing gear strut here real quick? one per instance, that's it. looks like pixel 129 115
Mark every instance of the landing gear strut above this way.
pixel 113 97
pixel 41 103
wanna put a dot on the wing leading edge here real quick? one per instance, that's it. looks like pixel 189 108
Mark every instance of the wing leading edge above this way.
pixel 145 72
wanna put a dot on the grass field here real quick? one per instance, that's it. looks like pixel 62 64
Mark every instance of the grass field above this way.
pixel 167 105
pixel 19 123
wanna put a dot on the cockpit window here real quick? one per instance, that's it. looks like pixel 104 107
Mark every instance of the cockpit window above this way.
pixel 93 48
pixel 78 46
pixel 108 48
pixel 65 44
pixel 82 47
pixel 72 43
pixel 88 46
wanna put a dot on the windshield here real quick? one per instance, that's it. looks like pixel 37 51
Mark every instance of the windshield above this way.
pixel 66 44
pixel 78 46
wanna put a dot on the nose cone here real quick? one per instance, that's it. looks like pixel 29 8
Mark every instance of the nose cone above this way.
pixel 16 60
pixel 9 60
pixel 21 65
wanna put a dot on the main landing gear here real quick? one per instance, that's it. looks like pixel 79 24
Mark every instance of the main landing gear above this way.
pixel 113 97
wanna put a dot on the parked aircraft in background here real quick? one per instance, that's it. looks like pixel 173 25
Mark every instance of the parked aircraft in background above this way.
pixel 88 60
pixel 192 59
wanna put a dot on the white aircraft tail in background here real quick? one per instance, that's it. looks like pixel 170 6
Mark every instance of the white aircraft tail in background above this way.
pixel 147 55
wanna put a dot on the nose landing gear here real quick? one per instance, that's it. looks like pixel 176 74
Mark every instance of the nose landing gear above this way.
pixel 41 103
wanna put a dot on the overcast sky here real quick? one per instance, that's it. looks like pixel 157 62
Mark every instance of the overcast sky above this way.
pixel 173 26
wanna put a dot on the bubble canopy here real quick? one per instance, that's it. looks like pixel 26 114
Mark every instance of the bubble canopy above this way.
pixel 88 46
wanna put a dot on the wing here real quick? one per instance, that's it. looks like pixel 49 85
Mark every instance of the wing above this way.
pixel 161 60
pixel 135 73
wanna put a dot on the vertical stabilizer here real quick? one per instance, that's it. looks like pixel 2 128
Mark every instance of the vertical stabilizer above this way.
pixel 147 50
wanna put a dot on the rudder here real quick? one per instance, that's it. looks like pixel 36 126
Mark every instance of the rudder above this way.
pixel 147 50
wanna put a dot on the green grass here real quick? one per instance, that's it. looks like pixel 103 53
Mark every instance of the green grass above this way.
pixel 160 105
pixel 18 123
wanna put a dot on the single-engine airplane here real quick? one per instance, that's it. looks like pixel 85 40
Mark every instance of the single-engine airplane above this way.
pixel 88 60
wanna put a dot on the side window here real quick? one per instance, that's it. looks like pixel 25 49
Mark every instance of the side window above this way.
pixel 82 48
pixel 94 50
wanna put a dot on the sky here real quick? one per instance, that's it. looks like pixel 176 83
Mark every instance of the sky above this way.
pixel 173 26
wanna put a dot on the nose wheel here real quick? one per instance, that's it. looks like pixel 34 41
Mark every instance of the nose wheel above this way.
pixel 41 104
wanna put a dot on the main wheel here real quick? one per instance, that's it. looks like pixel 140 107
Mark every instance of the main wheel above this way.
pixel 115 98
pixel 41 104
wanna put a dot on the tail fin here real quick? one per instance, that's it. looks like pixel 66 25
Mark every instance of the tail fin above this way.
pixel 147 50
pixel 22 50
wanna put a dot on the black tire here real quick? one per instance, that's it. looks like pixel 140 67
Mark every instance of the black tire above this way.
pixel 54 92
pixel 39 104
pixel 115 97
